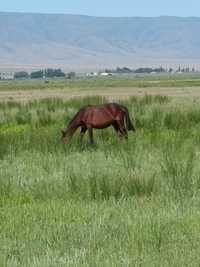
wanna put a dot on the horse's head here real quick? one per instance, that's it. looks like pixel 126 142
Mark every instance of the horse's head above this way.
pixel 64 137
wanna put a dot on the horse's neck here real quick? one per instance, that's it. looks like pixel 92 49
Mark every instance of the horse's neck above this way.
pixel 72 128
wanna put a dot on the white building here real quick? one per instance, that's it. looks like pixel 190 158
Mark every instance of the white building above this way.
pixel 91 74
pixel 106 74
pixel 7 75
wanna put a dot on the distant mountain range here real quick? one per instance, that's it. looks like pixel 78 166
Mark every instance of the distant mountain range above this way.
pixel 78 42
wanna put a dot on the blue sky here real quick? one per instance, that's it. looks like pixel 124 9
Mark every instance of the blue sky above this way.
pixel 106 7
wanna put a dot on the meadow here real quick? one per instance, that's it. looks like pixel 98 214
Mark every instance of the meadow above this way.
pixel 132 203
pixel 119 81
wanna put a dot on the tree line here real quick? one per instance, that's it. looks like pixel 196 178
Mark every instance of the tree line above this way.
pixel 58 73
pixel 126 70
pixel 46 73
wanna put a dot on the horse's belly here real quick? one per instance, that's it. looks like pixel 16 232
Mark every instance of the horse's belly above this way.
pixel 99 119
pixel 101 124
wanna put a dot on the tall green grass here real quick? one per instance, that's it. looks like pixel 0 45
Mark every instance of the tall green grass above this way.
pixel 35 128
pixel 115 203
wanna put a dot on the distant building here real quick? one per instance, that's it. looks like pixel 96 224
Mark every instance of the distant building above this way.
pixel 95 74
pixel 7 75
pixel 105 74
pixel 92 74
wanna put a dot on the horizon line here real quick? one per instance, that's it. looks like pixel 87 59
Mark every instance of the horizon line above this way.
pixel 97 16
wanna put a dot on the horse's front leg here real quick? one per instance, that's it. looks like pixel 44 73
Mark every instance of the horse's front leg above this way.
pixel 90 131
pixel 82 132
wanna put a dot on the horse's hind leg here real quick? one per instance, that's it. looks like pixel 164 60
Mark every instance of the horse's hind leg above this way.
pixel 125 133
pixel 116 127
pixel 121 126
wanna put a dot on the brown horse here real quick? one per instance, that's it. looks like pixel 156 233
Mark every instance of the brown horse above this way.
pixel 99 117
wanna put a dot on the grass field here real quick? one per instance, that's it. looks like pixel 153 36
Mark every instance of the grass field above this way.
pixel 123 81
pixel 111 88
pixel 132 203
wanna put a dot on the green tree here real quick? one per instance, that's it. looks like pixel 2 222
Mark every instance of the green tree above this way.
pixel 71 75
pixel 37 74
pixel 21 75
pixel 52 73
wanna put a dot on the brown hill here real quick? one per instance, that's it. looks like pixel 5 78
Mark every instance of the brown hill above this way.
pixel 82 42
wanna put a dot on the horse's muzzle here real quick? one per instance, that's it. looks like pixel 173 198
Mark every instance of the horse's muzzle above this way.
pixel 64 140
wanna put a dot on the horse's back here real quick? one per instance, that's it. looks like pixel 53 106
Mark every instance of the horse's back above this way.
pixel 99 116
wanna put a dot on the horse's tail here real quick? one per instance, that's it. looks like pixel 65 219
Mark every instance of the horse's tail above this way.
pixel 129 124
